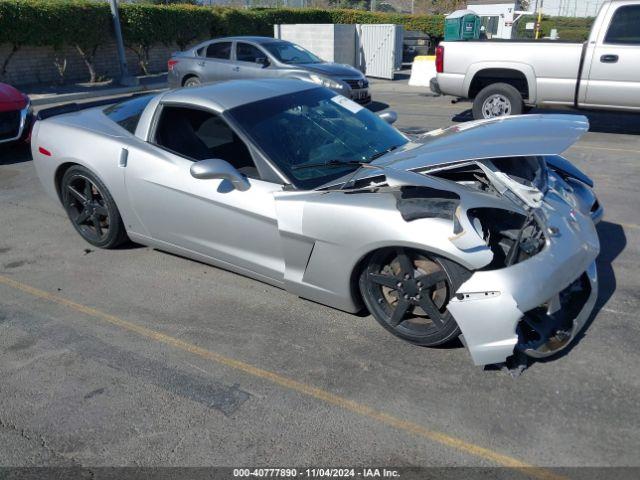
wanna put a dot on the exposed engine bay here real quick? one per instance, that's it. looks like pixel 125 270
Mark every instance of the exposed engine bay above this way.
pixel 513 208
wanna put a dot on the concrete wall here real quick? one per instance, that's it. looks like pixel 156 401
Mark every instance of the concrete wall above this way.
pixel 331 42
pixel 36 65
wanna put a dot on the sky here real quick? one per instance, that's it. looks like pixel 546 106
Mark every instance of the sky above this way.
pixel 580 8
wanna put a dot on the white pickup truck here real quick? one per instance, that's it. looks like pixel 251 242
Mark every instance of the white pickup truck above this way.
pixel 505 77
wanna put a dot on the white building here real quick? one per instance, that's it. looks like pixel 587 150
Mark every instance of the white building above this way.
pixel 498 16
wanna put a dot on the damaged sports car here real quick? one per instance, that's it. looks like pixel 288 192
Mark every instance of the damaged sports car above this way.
pixel 481 231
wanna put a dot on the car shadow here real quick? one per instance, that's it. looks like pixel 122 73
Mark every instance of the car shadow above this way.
pixel 14 153
pixel 377 106
pixel 465 116
pixel 401 75
pixel 623 123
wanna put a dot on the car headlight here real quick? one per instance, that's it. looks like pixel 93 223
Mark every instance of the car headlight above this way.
pixel 325 82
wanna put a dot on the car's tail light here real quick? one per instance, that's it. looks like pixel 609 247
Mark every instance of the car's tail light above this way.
pixel 171 64
pixel 44 151
pixel 440 59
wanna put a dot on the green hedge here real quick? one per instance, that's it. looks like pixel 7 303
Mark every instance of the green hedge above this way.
pixel 82 25
pixel 85 25
pixel 569 28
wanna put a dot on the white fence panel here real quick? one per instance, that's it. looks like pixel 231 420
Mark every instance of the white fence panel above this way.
pixel 331 42
pixel 374 49
pixel 379 49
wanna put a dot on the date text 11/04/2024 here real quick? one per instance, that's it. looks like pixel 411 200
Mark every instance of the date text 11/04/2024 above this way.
pixel 317 472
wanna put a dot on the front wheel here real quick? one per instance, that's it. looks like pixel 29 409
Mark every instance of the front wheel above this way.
pixel 407 292
pixel 497 100
pixel 91 209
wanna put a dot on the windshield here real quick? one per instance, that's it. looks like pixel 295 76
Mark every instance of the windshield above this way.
pixel 290 53
pixel 316 136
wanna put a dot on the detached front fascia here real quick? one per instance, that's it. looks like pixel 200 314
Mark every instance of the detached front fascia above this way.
pixel 491 305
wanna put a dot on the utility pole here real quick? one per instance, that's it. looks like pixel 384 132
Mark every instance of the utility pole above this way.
pixel 125 78
pixel 539 22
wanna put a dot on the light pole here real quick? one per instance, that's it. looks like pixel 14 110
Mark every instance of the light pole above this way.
pixel 125 79
pixel 539 22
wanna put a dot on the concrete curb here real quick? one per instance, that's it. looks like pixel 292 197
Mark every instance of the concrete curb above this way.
pixel 48 99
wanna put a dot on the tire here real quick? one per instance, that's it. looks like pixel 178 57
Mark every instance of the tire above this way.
pixel 497 100
pixel 91 209
pixel 192 82
pixel 397 279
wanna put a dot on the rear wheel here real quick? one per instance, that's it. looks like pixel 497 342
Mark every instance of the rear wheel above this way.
pixel 192 82
pixel 91 209
pixel 497 100
pixel 407 291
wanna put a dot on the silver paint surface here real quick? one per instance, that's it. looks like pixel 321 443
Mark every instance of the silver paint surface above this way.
pixel 312 243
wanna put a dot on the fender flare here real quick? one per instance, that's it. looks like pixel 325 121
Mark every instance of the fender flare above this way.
pixel 523 68
pixel 188 74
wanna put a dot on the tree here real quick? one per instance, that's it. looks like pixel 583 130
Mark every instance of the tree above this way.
pixel 92 25
pixel 385 7
pixel 524 5
pixel 166 2
pixel 80 25
pixel 438 7
pixel 352 4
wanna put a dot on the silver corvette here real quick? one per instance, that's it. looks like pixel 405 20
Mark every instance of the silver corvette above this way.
pixel 481 231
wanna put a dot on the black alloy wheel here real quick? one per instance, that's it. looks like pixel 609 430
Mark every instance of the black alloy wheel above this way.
pixel 91 208
pixel 407 292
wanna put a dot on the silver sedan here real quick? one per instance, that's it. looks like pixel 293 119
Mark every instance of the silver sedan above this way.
pixel 481 231
pixel 235 58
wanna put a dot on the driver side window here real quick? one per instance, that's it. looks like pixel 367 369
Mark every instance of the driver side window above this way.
pixel 200 135
pixel 248 53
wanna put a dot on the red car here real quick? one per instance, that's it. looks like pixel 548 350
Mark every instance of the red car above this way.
pixel 15 114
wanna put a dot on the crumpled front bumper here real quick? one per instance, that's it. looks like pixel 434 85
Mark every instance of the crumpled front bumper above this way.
pixel 495 310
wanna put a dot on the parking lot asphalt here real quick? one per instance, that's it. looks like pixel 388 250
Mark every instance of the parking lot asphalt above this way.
pixel 137 357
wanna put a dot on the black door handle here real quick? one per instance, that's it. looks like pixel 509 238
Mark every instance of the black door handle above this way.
pixel 609 58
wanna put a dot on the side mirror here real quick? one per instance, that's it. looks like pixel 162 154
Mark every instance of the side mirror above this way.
pixel 216 168
pixel 264 61
pixel 389 116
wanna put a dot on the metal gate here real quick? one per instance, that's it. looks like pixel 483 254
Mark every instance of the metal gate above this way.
pixel 379 49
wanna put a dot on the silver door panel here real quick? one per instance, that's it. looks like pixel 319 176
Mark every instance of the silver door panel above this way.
pixel 206 216
pixel 611 84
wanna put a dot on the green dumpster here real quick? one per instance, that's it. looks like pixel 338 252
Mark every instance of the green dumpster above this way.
pixel 462 25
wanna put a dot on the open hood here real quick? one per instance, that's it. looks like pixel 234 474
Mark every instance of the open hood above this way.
pixel 522 136
pixel 487 144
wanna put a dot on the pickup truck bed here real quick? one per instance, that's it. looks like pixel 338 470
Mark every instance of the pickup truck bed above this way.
pixel 504 76
pixel 553 78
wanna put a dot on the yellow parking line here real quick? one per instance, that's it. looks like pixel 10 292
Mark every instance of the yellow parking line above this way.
pixel 309 390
